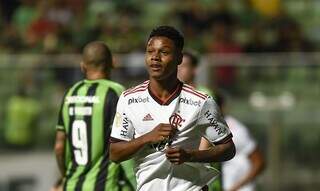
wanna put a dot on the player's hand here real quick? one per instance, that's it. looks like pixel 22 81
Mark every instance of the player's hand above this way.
pixel 160 133
pixel 177 155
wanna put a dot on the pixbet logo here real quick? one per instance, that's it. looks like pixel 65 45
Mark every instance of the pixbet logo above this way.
pixel 189 101
pixel 138 100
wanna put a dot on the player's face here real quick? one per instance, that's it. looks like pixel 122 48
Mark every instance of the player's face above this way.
pixel 186 71
pixel 162 58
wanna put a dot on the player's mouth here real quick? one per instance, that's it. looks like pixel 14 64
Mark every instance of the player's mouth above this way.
pixel 155 67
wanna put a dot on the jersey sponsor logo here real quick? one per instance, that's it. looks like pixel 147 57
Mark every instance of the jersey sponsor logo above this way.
pixel 125 125
pixel 80 111
pixel 82 99
pixel 138 100
pixel 214 123
pixel 148 117
pixel 189 101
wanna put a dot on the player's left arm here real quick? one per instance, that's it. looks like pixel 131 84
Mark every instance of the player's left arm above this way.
pixel 215 131
pixel 59 149
pixel 219 153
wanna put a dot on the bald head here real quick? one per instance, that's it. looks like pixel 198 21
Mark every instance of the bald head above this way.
pixel 97 56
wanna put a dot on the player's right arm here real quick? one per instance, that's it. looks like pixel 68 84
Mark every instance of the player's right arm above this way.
pixel 59 150
pixel 123 145
pixel 121 150
pixel 59 147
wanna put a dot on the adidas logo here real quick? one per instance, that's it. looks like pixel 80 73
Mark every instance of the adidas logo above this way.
pixel 147 118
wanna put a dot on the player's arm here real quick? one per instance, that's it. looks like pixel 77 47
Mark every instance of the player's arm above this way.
pixel 257 166
pixel 60 142
pixel 123 150
pixel 219 153
pixel 59 149
pixel 218 148
pixel 212 128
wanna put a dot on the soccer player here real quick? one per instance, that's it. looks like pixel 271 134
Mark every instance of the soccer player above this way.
pixel 240 172
pixel 187 71
pixel 160 123
pixel 84 125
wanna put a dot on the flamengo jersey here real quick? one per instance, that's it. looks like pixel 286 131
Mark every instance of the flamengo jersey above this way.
pixel 193 113
pixel 86 116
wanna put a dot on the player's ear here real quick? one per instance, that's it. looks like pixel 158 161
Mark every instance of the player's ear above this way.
pixel 83 67
pixel 113 62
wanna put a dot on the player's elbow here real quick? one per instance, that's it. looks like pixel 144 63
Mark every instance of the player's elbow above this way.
pixel 257 160
pixel 59 149
pixel 262 166
pixel 114 154
pixel 230 151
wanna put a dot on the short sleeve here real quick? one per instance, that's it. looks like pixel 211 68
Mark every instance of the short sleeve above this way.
pixel 250 146
pixel 211 124
pixel 60 125
pixel 122 128
pixel 243 140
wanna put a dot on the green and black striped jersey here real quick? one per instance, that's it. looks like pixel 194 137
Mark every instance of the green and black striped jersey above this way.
pixel 86 116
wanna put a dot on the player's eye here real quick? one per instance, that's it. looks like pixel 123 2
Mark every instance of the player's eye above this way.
pixel 150 51
pixel 165 52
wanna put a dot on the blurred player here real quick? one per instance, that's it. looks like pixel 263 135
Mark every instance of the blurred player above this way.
pixel 187 71
pixel 84 125
pixel 160 123
pixel 22 114
pixel 240 172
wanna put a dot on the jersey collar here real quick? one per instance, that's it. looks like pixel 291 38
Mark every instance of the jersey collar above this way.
pixel 174 95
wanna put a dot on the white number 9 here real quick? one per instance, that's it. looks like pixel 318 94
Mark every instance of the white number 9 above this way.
pixel 79 141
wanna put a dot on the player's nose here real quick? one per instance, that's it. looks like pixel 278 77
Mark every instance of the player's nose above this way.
pixel 155 56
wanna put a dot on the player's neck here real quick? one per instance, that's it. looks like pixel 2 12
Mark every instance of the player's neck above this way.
pixel 163 88
pixel 191 83
pixel 94 75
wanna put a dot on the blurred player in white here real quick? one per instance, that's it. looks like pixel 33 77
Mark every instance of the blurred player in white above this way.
pixel 240 172
pixel 160 123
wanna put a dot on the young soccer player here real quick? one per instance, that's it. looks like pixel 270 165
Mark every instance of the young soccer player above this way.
pixel 160 123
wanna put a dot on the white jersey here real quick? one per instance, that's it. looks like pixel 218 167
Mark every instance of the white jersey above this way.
pixel 195 115
pixel 234 169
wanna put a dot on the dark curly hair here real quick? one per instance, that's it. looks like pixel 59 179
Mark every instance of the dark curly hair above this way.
pixel 169 32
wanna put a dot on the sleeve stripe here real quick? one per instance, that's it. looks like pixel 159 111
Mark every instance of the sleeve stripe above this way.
pixel 194 93
pixel 115 140
pixel 224 140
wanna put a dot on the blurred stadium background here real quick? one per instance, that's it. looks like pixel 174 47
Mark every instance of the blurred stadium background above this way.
pixel 263 54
